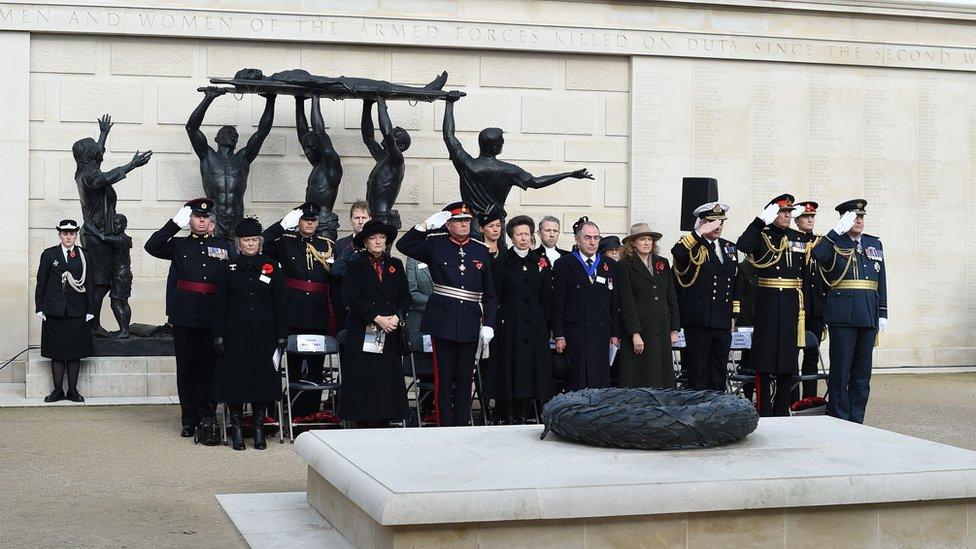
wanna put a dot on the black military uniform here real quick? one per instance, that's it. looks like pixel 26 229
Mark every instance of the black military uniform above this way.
pixel 462 303
pixel 62 300
pixel 585 313
pixel 707 302
pixel 309 289
pixel 814 298
pixel 197 260
pixel 779 256
pixel 856 308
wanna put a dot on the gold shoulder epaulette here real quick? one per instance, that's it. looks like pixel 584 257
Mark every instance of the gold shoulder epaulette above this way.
pixel 688 240
pixel 329 240
pixel 290 235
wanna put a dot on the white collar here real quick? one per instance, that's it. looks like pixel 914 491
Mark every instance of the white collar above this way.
pixel 588 258
pixel 66 251
pixel 520 253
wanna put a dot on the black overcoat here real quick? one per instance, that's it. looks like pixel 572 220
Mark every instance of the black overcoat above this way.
pixel 774 339
pixel 586 314
pixel 648 306
pixel 372 383
pixel 249 313
pixel 520 365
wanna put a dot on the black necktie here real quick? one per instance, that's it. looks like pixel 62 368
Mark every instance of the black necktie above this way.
pixel 589 265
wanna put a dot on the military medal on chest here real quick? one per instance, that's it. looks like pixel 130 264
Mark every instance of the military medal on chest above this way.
pixel 461 255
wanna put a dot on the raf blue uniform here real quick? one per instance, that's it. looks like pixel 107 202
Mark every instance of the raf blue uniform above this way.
pixel 856 300
pixel 462 302
pixel 197 261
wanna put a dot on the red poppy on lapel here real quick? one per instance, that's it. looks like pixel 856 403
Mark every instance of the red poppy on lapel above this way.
pixel 478 264
pixel 606 267
pixel 543 263
pixel 659 266
pixel 267 269
pixel 392 269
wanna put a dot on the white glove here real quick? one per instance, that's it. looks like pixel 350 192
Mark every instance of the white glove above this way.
pixel 845 223
pixel 290 221
pixel 41 315
pixel 88 317
pixel 435 221
pixel 797 211
pixel 769 213
pixel 487 333
pixel 882 324
pixel 182 217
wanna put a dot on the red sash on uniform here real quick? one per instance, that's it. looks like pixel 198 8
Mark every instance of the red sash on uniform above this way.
pixel 198 287
pixel 306 285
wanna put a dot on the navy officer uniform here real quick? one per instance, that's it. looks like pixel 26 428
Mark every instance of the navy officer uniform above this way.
pixel 306 263
pixel 779 256
pixel 197 260
pixel 856 308
pixel 585 314
pixel 705 269
pixel 460 309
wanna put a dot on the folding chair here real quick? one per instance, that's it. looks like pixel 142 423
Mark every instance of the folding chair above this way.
pixel 812 343
pixel 416 385
pixel 225 422
pixel 306 345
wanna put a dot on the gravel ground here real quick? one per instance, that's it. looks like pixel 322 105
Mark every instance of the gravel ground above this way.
pixel 120 476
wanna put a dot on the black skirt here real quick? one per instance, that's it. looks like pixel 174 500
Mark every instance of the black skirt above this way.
pixel 66 338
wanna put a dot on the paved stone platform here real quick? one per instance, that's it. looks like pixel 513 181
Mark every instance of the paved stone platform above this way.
pixel 790 479
pixel 110 377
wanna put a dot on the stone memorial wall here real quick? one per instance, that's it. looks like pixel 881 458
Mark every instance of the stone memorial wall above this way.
pixel 827 100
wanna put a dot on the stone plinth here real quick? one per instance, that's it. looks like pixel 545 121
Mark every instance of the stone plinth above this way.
pixel 787 484
pixel 107 376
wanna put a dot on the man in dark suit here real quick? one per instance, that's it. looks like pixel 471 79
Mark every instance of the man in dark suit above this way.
pixel 585 315
pixel 197 259
pixel 460 313
pixel 548 237
pixel 856 308
pixel 705 267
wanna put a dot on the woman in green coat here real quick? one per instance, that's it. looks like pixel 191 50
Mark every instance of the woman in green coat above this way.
pixel 648 311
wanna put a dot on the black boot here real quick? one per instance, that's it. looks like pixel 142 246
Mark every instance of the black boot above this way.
pixel 236 431
pixel 55 396
pixel 259 442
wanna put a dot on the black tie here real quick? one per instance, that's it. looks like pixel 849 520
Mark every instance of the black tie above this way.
pixel 589 265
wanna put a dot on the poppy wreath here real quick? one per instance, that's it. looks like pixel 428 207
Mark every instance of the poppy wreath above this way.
pixel 649 419
pixel 267 269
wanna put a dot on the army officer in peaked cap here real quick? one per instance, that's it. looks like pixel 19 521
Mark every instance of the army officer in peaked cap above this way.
pixel 62 302
pixel 196 260
pixel 460 314
pixel 856 309
pixel 814 294
pixel 310 290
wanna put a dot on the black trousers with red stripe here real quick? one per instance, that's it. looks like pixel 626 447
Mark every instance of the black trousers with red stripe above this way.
pixel 453 372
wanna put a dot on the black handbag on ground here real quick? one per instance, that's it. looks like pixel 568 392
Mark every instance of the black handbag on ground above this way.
pixel 405 346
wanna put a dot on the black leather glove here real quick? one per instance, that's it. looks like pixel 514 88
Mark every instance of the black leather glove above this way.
pixel 218 345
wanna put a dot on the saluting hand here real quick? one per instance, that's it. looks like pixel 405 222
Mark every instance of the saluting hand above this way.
pixel 290 221
pixel 182 217
pixel 769 213
pixel 845 223
pixel 708 227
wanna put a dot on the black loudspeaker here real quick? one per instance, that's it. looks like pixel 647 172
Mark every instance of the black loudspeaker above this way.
pixel 695 191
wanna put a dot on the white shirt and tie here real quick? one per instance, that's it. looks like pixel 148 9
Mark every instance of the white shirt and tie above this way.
pixel 551 254
pixel 589 265
pixel 65 252
pixel 717 249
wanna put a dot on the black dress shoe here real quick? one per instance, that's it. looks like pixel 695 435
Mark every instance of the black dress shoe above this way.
pixel 74 396
pixel 55 396
pixel 259 440
pixel 187 431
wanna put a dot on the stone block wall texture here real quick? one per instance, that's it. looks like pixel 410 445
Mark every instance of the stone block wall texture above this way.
pixel 559 112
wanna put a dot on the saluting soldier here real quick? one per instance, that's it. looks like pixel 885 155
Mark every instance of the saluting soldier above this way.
pixel 814 294
pixel 705 267
pixel 779 255
pixel 306 260
pixel 460 314
pixel 62 301
pixel 856 308
pixel 197 260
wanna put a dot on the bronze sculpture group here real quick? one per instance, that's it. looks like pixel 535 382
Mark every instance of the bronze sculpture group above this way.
pixel 484 180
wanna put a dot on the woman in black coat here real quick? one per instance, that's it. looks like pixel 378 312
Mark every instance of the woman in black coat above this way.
pixel 520 368
pixel 249 327
pixel 648 310
pixel 62 302
pixel 376 292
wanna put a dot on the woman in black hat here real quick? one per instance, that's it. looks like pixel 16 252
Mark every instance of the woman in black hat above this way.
pixel 249 326
pixel 490 226
pixel 376 292
pixel 63 304
pixel 648 312
pixel 610 247
pixel 520 368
